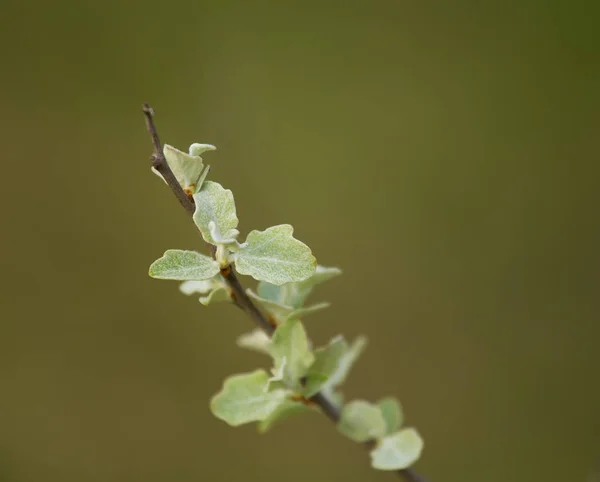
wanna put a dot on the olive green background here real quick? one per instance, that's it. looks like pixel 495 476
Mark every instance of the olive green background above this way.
pixel 444 154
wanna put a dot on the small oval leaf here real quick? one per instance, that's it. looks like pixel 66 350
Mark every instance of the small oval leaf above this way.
pixel 397 451
pixel 244 398
pixel 182 265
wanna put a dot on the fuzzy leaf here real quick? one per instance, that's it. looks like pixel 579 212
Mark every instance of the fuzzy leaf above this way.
pixel 271 292
pixel 256 340
pixel 244 399
pixel 192 287
pixel 392 414
pixel 188 169
pixel 215 208
pixel 217 295
pixel 290 347
pixel 327 360
pixel 294 294
pixel 274 255
pixel 184 265
pixel 298 292
pixel 282 412
pixel 362 421
pixel 397 451
pixel 345 362
pixel 281 312
pixel 301 312
pixel 214 289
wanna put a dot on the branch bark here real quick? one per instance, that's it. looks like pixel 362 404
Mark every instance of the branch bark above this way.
pixel 238 294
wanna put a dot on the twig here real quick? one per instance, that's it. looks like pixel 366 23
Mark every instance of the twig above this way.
pixel 238 294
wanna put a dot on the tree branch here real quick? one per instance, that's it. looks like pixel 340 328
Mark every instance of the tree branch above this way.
pixel 237 292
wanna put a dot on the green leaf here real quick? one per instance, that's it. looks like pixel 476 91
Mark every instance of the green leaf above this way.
pixel 244 399
pixel 257 340
pixel 217 295
pixel 271 292
pixel 397 451
pixel 184 265
pixel 298 292
pixel 281 312
pixel 345 363
pixel 290 349
pixel 188 169
pixel 214 289
pixel 285 410
pixel 392 414
pixel 215 214
pixel 361 421
pixel 301 312
pixel 294 294
pixel 274 255
pixel 327 360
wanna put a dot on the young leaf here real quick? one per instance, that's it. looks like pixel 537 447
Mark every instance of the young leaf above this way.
pixel 344 365
pixel 214 289
pixel 199 149
pixel 274 255
pixel 184 265
pixel 309 309
pixel 281 312
pixel 244 399
pixel 362 421
pixel 290 346
pixel 392 414
pixel 256 340
pixel 298 292
pixel 271 292
pixel 192 287
pixel 217 295
pixel 188 169
pixel 282 412
pixel 215 208
pixel 327 360
pixel 397 451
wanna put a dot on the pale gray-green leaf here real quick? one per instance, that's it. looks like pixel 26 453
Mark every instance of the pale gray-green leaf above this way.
pixel 285 410
pixel 184 265
pixel 275 256
pixel 271 292
pixel 327 360
pixel 257 340
pixel 290 346
pixel 192 287
pixel 300 312
pixel 214 204
pixel 361 421
pixel 397 451
pixel 199 149
pixel 280 312
pixel 392 414
pixel 345 363
pixel 217 295
pixel 244 399
pixel 296 293
pixel 188 169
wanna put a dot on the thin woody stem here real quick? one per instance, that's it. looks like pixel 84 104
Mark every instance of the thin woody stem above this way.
pixel 237 292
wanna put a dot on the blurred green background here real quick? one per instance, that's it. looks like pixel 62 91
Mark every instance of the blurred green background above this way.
pixel 444 154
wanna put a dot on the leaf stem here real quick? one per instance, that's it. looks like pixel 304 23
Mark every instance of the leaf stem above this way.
pixel 238 294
